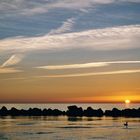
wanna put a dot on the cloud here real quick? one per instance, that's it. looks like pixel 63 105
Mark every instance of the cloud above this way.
pixel 30 8
pixel 115 38
pixel 8 70
pixel 66 26
pixel 16 78
pixel 91 74
pixel 13 60
pixel 86 65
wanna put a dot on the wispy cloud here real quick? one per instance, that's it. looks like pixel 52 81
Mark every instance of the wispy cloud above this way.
pixel 74 66
pixel 91 74
pixel 122 37
pixel 66 26
pixel 86 65
pixel 29 8
pixel 16 58
pixel 8 70
pixel 13 60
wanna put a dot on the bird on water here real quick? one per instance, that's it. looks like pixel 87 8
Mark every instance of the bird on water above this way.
pixel 126 124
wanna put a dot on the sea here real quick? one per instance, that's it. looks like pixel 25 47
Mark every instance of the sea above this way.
pixel 69 128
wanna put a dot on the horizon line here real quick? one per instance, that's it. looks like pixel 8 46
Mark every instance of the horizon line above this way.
pixel 121 102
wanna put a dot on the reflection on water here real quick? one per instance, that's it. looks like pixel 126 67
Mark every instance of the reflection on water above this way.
pixel 69 128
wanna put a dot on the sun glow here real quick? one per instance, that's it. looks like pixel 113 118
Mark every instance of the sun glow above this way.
pixel 127 101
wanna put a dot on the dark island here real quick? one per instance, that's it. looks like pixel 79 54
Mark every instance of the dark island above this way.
pixel 73 111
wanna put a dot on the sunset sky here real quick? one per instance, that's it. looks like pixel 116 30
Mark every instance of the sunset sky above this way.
pixel 69 51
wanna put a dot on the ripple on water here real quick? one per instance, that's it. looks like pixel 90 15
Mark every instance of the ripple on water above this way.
pixel 75 127
pixel 44 133
pixel 28 123
pixel 38 133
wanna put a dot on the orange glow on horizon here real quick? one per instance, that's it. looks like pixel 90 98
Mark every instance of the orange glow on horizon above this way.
pixel 44 98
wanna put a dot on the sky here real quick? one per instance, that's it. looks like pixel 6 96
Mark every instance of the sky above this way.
pixel 69 51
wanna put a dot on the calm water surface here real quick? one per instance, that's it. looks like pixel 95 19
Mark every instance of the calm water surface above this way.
pixel 64 106
pixel 64 128
pixel 67 128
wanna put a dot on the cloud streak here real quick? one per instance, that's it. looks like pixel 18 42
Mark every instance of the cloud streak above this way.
pixel 8 70
pixel 117 38
pixel 13 60
pixel 86 65
pixel 66 26
pixel 91 74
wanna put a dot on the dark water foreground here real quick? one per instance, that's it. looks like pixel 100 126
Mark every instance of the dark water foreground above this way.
pixel 72 111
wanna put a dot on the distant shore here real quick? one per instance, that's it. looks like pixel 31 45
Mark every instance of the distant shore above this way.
pixel 72 111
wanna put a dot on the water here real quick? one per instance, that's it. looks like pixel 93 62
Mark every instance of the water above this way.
pixel 64 106
pixel 68 128
pixel 64 128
